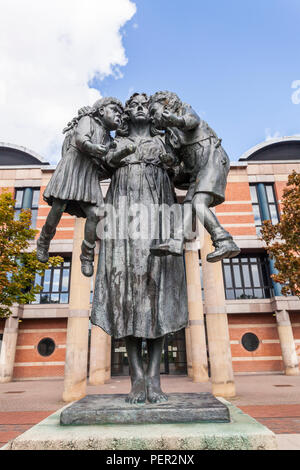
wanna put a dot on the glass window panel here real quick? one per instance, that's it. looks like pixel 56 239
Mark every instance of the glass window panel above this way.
pixel 226 260
pixel 47 278
pixel 273 212
pixel 45 298
pixel 64 298
pixel 265 275
pixel 235 260
pixel 239 294
pixel 270 193
pixel 35 198
pixel 258 294
pixel 249 293
pixel 237 276
pixel 33 217
pixel 227 276
pixel 253 260
pixel 38 280
pixel 55 298
pixel 246 275
pixel 65 280
pixel 267 293
pixel 253 193
pixel 255 275
pixel 257 217
pixel 55 280
pixel 19 199
pixel 67 263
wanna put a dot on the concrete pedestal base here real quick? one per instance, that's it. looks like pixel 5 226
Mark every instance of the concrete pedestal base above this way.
pixel 113 409
pixel 242 433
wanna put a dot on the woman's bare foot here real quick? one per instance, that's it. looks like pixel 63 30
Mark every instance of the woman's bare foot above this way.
pixel 138 391
pixel 154 392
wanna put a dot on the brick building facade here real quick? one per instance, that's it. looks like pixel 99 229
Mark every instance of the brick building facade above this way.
pixel 256 310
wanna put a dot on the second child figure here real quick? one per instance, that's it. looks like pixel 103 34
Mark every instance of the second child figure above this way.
pixel 204 162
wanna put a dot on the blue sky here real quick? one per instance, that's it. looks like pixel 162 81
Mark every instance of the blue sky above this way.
pixel 234 61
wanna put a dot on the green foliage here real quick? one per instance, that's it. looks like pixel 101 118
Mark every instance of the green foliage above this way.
pixel 18 265
pixel 283 239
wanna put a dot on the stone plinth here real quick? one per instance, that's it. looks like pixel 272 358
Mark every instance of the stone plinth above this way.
pixel 113 409
pixel 242 433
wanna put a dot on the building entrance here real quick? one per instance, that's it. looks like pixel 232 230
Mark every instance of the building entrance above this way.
pixel 173 361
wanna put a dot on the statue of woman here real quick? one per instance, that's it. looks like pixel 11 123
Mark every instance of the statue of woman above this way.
pixel 138 295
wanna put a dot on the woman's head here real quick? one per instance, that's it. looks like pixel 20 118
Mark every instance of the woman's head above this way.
pixel 136 112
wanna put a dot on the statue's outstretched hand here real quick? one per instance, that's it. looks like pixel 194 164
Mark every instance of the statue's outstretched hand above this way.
pixel 168 159
pixel 114 157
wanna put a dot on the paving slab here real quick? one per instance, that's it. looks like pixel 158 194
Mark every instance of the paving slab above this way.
pixel 288 441
pixel 242 433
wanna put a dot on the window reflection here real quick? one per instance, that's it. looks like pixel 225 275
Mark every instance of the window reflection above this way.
pixel 247 277
pixel 55 284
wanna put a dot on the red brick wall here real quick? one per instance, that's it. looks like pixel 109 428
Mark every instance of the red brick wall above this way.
pixel 28 361
pixel 65 228
pixel 268 355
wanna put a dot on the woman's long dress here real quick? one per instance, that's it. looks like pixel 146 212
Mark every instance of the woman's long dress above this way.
pixel 135 292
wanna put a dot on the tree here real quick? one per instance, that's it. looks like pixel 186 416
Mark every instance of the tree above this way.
pixel 283 239
pixel 18 266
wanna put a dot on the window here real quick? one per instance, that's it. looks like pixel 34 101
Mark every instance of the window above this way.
pixel 264 204
pixel 46 347
pixel 247 277
pixel 250 342
pixel 1 339
pixel 27 198
pixel 55 284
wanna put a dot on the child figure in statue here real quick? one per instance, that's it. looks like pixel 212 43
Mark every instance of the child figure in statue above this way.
pixel 205 164
pixel 75 185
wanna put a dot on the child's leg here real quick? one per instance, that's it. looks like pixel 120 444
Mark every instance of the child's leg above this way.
pixel 89 242
pixel 49 229
pixel 222 240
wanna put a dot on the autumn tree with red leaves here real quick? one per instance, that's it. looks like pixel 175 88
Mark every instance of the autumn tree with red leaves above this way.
pixel 283 239
pixel 18 265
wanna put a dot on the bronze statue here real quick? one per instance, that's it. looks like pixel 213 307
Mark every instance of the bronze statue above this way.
pixel 140 292
pixel 138 295
pixel 75 185
pixel 204 168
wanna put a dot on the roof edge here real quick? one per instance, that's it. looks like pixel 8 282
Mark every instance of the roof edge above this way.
pixel 267 143
pixel 26 150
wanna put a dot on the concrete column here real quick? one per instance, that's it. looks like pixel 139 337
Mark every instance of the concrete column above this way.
pixel 78 324
pixel 196 318
pixel 8 348
pixel 188 348
pixel 98 356
pixel 217 325
pixel 287 343
pixel 108 359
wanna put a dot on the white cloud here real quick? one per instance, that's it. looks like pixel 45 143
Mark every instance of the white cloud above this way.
pixel 271 136
pixel 49 50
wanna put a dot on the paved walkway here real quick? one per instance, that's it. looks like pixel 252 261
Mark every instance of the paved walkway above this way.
pixel 273 400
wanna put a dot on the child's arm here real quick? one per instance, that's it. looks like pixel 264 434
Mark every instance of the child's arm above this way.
pixel 83 139
pixel 115 156
pixel 189 119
